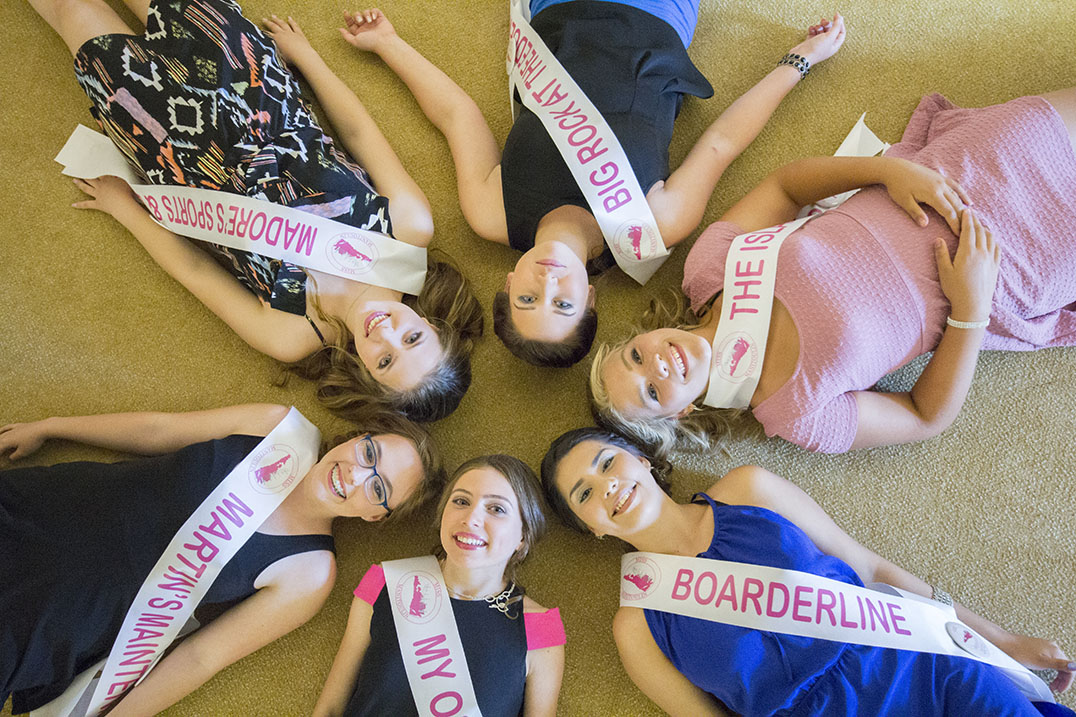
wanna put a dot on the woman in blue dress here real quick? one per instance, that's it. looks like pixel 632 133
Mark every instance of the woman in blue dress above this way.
pixel 598 482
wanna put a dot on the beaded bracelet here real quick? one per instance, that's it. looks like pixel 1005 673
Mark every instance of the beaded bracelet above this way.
pixel 967 324
pixel 941 596
pixel 800 62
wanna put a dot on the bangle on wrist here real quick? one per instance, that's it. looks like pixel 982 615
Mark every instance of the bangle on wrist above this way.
pixel 967 324
pixel 939 595
pixel 800 62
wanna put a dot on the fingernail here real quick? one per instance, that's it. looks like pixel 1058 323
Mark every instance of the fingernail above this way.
pixel 1072 667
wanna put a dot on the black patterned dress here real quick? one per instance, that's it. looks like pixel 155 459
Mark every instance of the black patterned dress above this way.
pixel 202 99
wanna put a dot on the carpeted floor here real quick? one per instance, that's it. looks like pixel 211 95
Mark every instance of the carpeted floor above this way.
pixel 92 325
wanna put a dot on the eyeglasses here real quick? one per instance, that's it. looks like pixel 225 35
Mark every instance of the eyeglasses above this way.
pixel 375 485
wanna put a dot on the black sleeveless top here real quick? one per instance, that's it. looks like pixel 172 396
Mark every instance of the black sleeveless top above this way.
pixel 78 539
pixel 496 650
pixel 634 68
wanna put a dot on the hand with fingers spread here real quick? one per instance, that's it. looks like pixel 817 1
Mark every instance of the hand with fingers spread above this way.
pixel 367 30
pixel 913 184
pixel 108 194
pixel 823 40
pixel 1038 654
pixel 22 439
pixel 290 40
pixel 969 278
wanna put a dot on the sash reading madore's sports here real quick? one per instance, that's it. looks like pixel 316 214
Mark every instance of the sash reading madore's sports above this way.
pixel 209 538
pixel 429 640
pixel 239 222
pixel 791 602
pixel 589 148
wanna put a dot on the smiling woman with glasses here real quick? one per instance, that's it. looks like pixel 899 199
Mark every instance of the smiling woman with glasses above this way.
pixel 60 613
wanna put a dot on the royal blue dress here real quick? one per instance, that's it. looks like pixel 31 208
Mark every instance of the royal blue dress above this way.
pixel 761 673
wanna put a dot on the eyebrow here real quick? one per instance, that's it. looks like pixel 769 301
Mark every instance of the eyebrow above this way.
pixel 487 495
pixel 628 365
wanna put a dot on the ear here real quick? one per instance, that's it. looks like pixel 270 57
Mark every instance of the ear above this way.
pixel 592 294
pixel 688 410
pixel 375 519
pixel 508 282
pixel 644 460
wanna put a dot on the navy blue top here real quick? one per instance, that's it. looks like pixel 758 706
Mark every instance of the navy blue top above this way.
pixel 753 672
pixel 78 539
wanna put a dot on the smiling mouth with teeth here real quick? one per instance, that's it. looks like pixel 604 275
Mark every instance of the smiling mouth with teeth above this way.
pixel 469 542
pixel 374 321
pixel 335 483
pixel 623 500
pixel 678 359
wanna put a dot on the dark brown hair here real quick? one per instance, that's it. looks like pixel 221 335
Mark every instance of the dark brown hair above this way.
pixel 555 354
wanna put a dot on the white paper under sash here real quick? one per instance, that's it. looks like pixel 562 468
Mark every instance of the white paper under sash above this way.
pixel 429 639
pixel 209 538
pixel 791 602
pixel 589 148
pixel 239 222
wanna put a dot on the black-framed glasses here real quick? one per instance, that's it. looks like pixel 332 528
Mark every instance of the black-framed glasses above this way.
pixel 376 487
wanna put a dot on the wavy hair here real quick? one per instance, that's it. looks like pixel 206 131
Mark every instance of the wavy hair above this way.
pixel 346 387
pixel 660 468
pixel 701 429
pixel 555 354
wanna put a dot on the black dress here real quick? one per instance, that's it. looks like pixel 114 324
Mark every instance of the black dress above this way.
pixel 78 539
pixel 634 68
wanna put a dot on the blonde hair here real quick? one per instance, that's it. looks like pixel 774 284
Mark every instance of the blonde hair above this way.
pixel 703 428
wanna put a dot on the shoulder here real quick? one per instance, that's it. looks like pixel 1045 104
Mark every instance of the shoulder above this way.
pixel 530 605
pixel 746 485
pixel 301 581
pixel 259 419
pixel 627 623
pixel 543 626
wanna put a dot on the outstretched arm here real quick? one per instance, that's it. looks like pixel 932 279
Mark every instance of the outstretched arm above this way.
pixel 474 150
pixel 935 400
pixel 752 485
pixel 284 336
pixel 412 220
pixel 678 203
pixel 345 670
pixel 144 433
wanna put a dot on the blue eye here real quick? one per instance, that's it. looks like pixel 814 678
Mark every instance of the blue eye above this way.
pixel 525 299
pixel 652 392
pixel 384 362
pixel 414 337
pixel 563 305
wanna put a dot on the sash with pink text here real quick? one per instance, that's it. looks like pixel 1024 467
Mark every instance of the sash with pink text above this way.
pixel 239 222
pixel 589 148
pixel 791 602
pixel 209 538
pixel 429 639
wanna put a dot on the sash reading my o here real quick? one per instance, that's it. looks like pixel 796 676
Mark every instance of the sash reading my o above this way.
pixel 792 602
pixel 210 537
pixel 589 148
pixel 429 639
pixel 239 222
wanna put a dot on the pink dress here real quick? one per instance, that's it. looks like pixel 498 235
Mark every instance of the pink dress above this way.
pixel 861 282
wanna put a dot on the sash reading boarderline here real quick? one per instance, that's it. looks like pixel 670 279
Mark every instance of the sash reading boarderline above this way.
pixel 240 222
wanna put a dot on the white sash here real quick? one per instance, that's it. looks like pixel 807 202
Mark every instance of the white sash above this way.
pixel 791 602
pixel 212 535
pixel 239 222
pixel 429 640
pixel 582 135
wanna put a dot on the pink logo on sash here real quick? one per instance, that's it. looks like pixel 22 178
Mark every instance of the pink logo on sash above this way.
pixel 417 597
pixel 967 640
pixel 640 578
pixel 351 253
pixel 273 469
pixel 737 357
pixel 636 241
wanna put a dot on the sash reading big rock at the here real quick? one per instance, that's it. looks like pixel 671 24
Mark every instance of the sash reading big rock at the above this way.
pixel 212 535
pixel 240 222
pixel 758 597
pixel 429 639
pixel 589 148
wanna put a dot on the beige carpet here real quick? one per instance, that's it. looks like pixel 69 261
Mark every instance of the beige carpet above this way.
pixel 90 324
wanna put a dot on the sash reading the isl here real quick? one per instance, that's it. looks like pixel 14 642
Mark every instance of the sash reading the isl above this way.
pixel 429 639
pixel 240 222
pixel 791 602
pixel 209 538
pixel 589 148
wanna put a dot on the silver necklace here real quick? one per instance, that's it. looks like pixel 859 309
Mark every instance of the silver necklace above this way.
pixel 499 602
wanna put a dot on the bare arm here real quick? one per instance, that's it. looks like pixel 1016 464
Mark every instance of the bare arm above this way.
pixel 678 203
pixel 143 433
pixel 301 585
pixel 412 219
pixel 345 669
pixel 545 671
pixel 752 485
pixel 283 336
pixel 475 152
pixel 937 397
pixel 652 672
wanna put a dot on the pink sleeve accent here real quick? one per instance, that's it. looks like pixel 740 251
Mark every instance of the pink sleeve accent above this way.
pixel 544 629
pixel 371 584
pixel 830 428
pixel 704 268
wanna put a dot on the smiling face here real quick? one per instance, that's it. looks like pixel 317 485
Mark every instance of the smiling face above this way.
pixel 481 526
pixel 609 488
pixel 343 479
pixel 657 374
pixel 548 292
pixel 397 346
